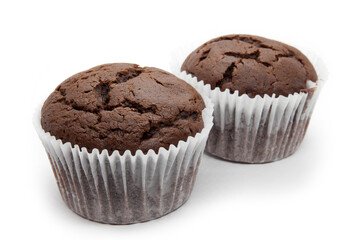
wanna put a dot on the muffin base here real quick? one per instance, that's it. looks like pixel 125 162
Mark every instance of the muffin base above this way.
pixel 260 129
pixel 230 145
pixel 111 199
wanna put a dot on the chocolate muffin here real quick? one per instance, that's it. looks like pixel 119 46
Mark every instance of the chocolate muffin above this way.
pixel 152 127
pixel 251 65
pixel 123 107
pixel 263 90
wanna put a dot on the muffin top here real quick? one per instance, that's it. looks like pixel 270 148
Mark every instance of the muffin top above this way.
pixel 123 107
pixel 250 64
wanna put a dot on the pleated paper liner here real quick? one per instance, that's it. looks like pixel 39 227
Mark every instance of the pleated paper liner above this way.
pixel 125 189
pixel 260 129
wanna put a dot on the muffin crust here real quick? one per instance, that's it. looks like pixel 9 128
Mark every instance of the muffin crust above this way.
pixel 250 64
pixel 123 107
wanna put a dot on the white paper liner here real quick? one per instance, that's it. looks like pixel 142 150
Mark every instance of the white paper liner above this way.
pixel 125 189
pixel 260 129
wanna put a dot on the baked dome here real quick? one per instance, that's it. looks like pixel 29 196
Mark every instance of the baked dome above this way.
pixel 250 64
pixel 123 107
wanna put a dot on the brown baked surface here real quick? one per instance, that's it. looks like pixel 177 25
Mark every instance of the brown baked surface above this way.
pixel 123 107
pixel 250 64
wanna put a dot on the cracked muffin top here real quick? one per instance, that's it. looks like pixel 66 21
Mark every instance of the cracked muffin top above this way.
pixel 123 107
pixel 250 64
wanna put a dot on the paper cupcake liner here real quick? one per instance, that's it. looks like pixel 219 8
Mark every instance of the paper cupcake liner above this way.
pixel 260 129
pixel 125 189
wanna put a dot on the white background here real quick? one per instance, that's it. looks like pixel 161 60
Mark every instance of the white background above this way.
pixel 313 194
